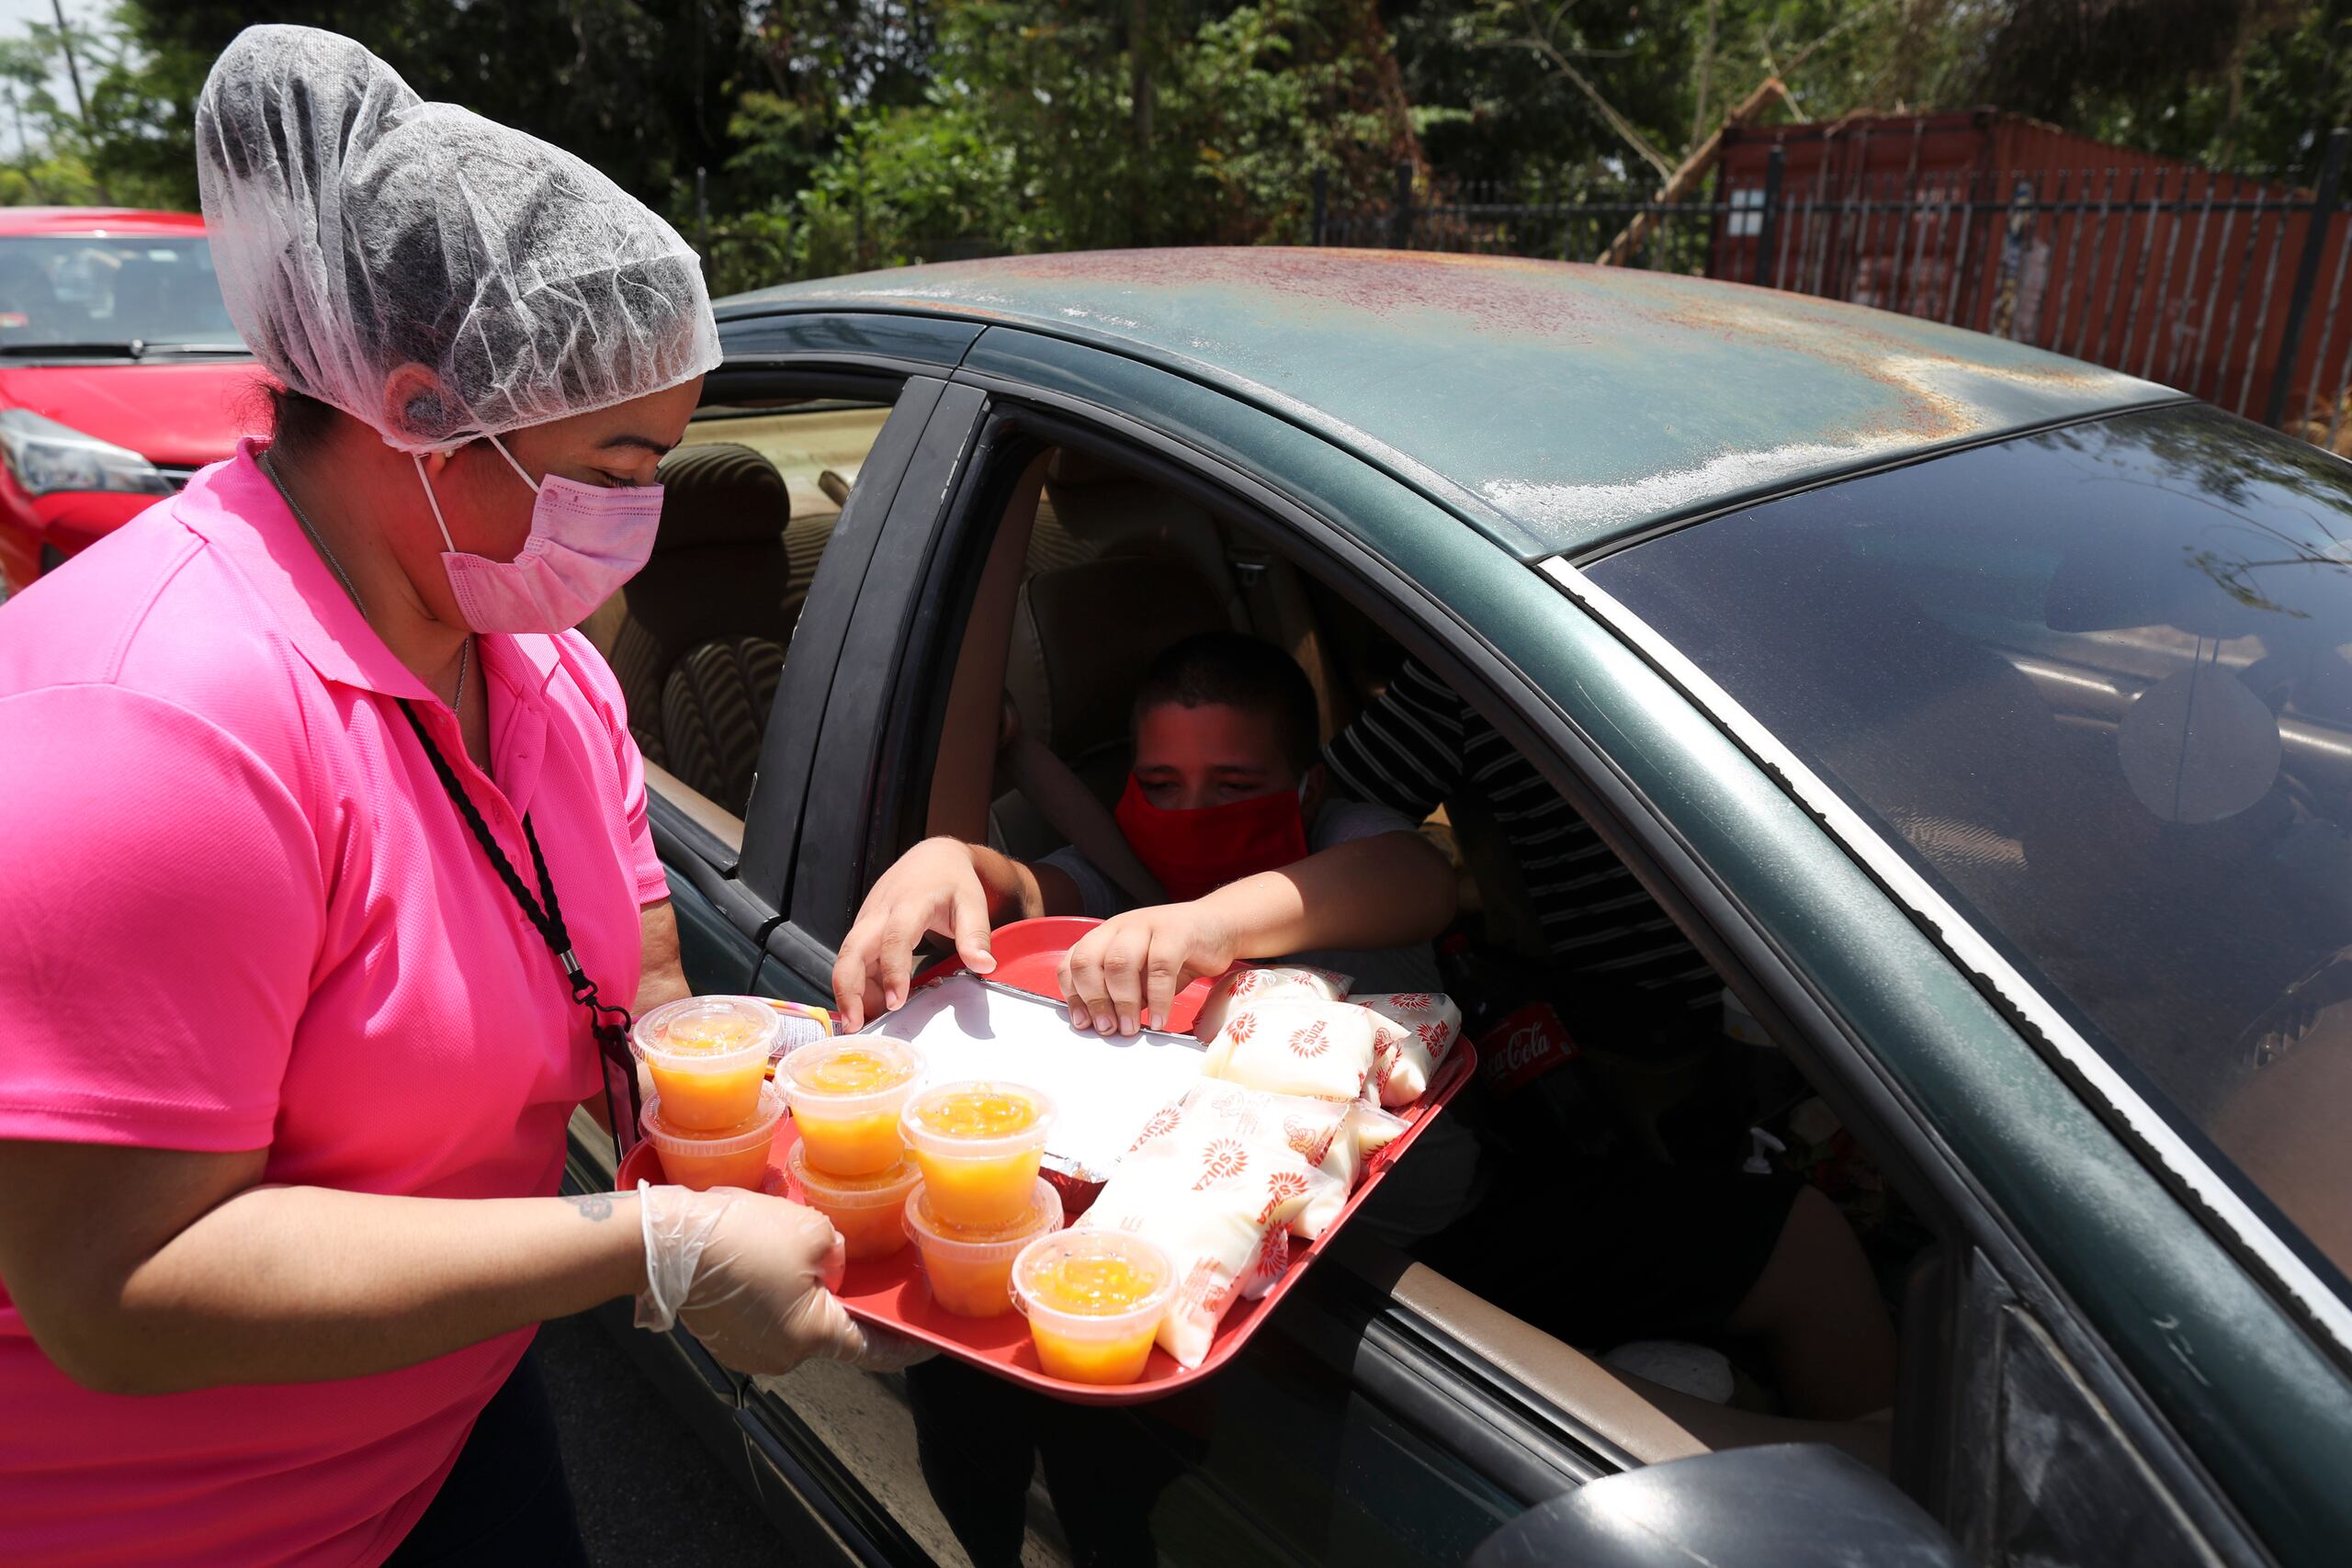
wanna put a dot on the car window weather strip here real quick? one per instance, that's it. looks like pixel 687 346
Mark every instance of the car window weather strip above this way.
pixel 2123 1105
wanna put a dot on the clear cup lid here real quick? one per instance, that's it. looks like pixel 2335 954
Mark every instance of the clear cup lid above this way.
pixel 1100 1276
pixel 856 1067
pixel 977 1117
pixel 977 1243
pixel 713 1029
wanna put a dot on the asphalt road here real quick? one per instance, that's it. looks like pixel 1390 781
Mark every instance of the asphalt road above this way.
pixel 647 1491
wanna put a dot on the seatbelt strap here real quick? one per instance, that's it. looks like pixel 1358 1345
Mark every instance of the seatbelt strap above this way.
pixel 1063 799
pixel 1282 618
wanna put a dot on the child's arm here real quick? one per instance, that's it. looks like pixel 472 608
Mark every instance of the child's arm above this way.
pixel 941 886
pixel 1384 891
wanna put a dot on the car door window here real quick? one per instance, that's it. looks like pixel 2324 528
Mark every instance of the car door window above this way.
pixel 2095 684
pixel 698 638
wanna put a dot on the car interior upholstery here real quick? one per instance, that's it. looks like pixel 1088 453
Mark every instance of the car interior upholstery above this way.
pixel 697 639
pixel 716 576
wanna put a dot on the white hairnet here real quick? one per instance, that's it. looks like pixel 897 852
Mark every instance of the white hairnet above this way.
pixel 357 229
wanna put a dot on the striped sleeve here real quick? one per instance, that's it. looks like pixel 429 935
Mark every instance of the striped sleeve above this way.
pixel 1405 751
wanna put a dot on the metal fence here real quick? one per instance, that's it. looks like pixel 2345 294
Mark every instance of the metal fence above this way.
pixel 2221 286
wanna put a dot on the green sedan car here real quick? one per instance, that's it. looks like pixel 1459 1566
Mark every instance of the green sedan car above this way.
pixel 1978 723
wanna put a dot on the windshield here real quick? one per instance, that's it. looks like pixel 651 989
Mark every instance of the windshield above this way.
pixel 97 293
pixel 2097 683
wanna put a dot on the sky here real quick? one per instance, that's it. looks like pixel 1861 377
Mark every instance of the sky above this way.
pixel 14 15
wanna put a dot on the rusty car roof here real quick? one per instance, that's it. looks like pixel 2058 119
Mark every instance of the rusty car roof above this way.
pixel 1581 403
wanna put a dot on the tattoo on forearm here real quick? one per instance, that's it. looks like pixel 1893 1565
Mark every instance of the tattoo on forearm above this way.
pixel 591 1206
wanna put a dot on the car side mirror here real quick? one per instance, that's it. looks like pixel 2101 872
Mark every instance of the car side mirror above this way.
pixel 1787 1506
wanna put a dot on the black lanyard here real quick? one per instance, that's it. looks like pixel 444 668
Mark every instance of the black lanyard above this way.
pixel 610 1025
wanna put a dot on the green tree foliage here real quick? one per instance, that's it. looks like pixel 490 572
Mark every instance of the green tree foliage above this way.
pixel 2241 83
pixel 1027 136
pixel 801 137
pixel 643 91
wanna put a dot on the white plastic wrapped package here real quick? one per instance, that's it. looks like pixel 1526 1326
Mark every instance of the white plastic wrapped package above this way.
pixel 1223 1132
pixel 1416 1032
pixel 356 228
pixel 1278 982
pixel 1322 1050
pixel 1373 1128
pixel 1215 1182
pixel 1345 1161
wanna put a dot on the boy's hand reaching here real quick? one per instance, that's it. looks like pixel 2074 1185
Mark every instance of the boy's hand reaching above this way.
pixel 935 887
pixel 1124 973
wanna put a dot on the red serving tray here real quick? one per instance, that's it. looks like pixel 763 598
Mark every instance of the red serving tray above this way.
pixel 1029 958
pixel 891 1291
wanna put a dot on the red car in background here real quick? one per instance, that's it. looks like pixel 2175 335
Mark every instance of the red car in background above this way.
pixel 120 375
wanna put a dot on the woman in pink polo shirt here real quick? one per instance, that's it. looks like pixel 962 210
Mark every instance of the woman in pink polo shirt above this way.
pixel 326 864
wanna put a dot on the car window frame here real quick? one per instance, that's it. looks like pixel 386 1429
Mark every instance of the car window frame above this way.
pixel 769 355
pixel 878 754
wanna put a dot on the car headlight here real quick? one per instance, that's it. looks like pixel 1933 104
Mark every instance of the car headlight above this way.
pixel 44 455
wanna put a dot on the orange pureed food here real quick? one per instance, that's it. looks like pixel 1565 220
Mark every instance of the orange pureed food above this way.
pixel 969 1269
pixel 1095 1285
pixel 726 1156
pixel 868 1211
pixel 846 1096
pixel 979 1145
pixel 709 1056
pixel 1094 1299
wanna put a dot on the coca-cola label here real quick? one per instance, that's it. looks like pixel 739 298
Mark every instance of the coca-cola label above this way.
pixel 1523 1047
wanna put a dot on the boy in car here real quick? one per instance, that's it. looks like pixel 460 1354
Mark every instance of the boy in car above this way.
pixel 1228 809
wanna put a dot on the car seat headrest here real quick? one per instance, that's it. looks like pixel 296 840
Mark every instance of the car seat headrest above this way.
pixel 1086 633
pixel 722 493
pixel 1069 467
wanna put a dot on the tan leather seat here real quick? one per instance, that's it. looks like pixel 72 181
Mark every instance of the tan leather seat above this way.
pixel 1091 509
pixel 1083 638
pixel 1122 567
pixel 719 573
pixel 715 709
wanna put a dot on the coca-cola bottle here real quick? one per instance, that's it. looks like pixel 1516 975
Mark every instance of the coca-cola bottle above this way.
pixel 1531 1077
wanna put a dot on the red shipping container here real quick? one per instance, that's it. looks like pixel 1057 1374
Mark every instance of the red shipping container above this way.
pixel 2000 223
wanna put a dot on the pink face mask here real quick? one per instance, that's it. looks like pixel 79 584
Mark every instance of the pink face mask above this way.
pixel 587 540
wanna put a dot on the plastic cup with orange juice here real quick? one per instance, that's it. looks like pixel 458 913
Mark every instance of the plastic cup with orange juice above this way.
pixel 970 1270
pixel 979 1145
pixel 1094 1299
pixel 846 1096
pixel 709 1056
pixel 726 1156
pixel 868 1211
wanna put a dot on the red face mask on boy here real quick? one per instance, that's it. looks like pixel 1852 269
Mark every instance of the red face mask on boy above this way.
pixel 1197 851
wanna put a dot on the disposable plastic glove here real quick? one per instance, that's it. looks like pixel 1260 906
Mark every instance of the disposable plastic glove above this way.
pixel 745 1273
